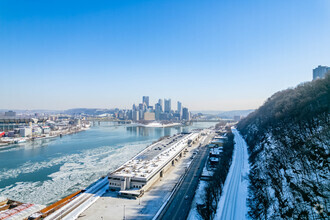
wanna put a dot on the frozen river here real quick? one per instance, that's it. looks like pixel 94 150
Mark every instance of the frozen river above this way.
pixel 46 170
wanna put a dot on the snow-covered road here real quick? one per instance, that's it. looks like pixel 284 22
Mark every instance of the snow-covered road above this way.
pixel 232 204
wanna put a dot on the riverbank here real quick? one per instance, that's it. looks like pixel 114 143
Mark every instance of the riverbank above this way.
pixel 7 141
pixel 44 171
pixel 147 206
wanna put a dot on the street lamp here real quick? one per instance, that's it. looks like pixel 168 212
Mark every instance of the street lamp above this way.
pixel 124 212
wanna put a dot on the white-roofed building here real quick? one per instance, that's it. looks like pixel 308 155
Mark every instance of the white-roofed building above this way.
pixel 142 171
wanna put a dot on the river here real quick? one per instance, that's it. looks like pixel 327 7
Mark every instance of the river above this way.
pixel 44 171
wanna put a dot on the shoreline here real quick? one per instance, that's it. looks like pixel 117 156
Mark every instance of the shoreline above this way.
pixel 157 125
pixel 26 140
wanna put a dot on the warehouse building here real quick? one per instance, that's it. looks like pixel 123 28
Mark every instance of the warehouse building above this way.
pixel 137 175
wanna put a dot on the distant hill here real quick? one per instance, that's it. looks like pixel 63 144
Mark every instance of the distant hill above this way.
pixel 289 145
pixel 20 111
pixel 231 114
pixel 88 111
pixel 226 114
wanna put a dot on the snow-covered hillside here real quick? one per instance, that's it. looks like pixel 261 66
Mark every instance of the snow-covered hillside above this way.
pixel 289 143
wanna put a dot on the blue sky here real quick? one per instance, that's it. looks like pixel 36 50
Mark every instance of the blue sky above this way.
pixel 209 54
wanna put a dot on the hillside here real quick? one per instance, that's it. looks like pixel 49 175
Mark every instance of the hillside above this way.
pixel 289 140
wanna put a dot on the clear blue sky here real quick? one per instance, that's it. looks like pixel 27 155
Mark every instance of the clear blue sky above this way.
pixel 210 54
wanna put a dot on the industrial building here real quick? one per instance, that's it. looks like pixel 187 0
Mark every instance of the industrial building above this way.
pixel 10 123
pixel 137 175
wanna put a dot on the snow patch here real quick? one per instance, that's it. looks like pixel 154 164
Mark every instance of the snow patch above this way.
pixel 198 199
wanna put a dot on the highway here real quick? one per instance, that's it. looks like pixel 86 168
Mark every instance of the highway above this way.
pixel 180 203
pixel 232 204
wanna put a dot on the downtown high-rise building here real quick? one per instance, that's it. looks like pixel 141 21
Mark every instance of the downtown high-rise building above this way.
pixel 145 111
pixel 141 106
pixel 135 115
pixel 179 109
pixel 185 114
pixel 145 99
pixel 134 108
pixel 160 102
pixel 158 111
pixel 167 103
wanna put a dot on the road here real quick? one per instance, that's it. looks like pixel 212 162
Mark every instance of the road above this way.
pixel 232 203
pixel 180 203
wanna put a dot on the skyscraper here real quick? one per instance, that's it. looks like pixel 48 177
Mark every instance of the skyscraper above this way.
pixel 320 71
pixel 185 114
pixel 135 115
pixel 141 114
pixel 145 99
pixel 179 107
pixel 160 102
pixel 158 111
pixel 134 107
pixel 167 105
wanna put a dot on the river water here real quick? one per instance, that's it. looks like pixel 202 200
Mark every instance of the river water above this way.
pixel 44 171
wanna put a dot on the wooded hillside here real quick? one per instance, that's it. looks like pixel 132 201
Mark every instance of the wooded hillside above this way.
pixel 289 139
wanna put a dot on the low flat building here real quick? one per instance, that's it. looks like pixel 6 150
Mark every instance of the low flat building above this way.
pixel 215 152
pixel 141 172
pixel 36 130
pixel 149 116
pixel 219 143
pixel 25 132
pixel 45 129
pixel 214 161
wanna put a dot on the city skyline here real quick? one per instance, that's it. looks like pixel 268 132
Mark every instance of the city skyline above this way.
pixel 148 111
pixel 210 55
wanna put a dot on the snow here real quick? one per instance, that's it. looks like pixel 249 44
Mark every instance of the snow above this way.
pixel 207 172
pixel 76 212
pixel 158 125
pixel 83 201
pixel 147 168
pixel 198 199
pixel 232 204
pixel 76 172
pixel 110 206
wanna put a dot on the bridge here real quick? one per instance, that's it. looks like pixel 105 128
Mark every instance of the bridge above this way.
pixel 212 120
pixel 124 121
pixel 120 121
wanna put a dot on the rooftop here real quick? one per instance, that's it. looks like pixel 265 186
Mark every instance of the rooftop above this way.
pixel 154 157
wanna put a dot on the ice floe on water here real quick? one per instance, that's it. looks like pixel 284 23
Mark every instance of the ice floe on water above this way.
pixel 76 171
